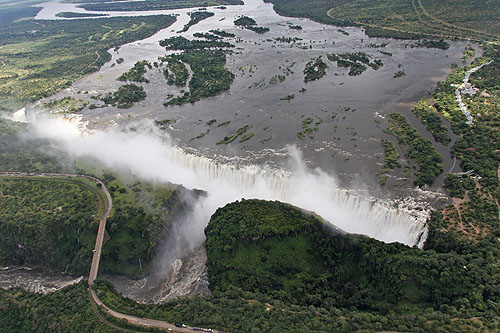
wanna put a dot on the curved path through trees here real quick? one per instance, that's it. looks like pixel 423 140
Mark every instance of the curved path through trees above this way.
pixel 94 267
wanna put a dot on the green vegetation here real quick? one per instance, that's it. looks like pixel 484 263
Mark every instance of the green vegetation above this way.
pixel 287 97
pixel 74 15
pixel 343 32
pixel 206 35
pixel 176 72
pixel 239 131
pixel 162 124
pixel 477 145
pixel 155 5
pixel 224 123
pixel 432 121
pixel 355 62
pixel 399 74
pixel 458 185
pixel 196 17
pixel 391 155
pixel 246 137
pixel 182 43
pixel 43 57
pixel 469 53
pixel 210 77
pixel 211 122
pixel 418 149
pixel 49 222
pixel 274 249
pixel 250 24
pixel 441 44
pixel 66 310
pixel 244 21
pixel 315 69
pixel 287 39
pixel 125 96
pixel 417 19
pixel 65 105
pixel 295 27
pixel 309 131
pixel 24 153
pixel 136 73
pixel 222 33
pixel 141 211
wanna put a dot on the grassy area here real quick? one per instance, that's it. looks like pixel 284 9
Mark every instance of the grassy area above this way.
pixel 39 58
pixel 402 18
pixel 240 131
pixel 65 105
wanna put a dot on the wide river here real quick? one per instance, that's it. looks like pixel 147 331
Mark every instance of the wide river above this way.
pixel 350 113
pixel 346 143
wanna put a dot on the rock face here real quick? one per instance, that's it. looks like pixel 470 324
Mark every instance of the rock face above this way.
pixel 186 278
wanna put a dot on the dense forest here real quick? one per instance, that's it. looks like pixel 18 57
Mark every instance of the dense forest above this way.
pixel 273 267
pixel 49 222
pixel 66 310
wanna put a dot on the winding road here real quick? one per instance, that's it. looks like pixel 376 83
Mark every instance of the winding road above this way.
pixel 94 267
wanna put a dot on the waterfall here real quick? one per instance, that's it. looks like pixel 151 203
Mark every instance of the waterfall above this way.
pixel 310 189
pixel 146 155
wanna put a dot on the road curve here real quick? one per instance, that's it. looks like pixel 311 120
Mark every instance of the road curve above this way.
pixel 94 268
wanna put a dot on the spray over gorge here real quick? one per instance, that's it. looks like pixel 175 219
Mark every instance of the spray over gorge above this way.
pixel 151 155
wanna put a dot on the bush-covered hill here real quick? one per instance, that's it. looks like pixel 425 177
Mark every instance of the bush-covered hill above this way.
pixel 275 268
pixel 279 250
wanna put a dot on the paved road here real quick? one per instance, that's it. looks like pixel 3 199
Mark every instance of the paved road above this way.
pixel 141 322
pixel 94 268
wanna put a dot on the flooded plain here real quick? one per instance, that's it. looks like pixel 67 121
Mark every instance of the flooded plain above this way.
pixel 350 109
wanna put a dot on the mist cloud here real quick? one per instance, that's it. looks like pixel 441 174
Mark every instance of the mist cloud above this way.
pixel 152 156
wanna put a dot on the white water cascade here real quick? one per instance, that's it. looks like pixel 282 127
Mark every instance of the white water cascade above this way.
pixel 148 156
pixel 310 189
